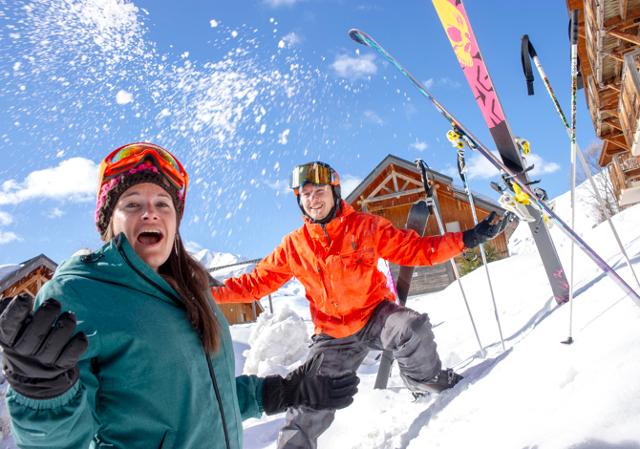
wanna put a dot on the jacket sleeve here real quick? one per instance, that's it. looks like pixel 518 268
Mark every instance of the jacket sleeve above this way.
pixel 249 390
pixel 65 421
pixel 269 275
pixel 406 247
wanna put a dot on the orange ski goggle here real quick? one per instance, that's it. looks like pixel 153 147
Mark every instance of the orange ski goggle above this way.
pixel 127 157
pixel 317 173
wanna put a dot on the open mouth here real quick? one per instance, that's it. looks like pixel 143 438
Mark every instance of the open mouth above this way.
pixel 149 237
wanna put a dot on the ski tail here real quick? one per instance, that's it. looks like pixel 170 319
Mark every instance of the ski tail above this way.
pixel 417 221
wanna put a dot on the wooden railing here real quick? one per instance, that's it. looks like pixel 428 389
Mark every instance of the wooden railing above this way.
pixel 624 171
pixel 629 103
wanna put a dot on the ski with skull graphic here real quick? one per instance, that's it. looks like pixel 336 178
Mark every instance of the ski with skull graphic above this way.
pixel 458 28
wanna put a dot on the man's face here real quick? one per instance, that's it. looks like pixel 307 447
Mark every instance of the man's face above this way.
pixel 316 200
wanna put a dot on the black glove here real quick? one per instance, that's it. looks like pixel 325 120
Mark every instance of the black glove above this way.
pixel 484 230
pixel 305 386
pixel 40 350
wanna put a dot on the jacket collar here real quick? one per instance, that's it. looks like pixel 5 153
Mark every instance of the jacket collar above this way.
pixel 117 263
pixel 333 227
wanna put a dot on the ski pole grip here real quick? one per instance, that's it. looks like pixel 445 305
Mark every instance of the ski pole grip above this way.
pixel 573 27
pixel 526 53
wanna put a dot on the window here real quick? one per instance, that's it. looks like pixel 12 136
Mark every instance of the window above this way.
pixel 453 226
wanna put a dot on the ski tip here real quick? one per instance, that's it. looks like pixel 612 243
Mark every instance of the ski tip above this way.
pixel 356 35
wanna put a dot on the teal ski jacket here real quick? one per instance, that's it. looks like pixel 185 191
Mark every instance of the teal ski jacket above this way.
pixel 145 380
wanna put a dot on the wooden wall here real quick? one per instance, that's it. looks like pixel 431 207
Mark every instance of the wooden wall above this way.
pixel 238 313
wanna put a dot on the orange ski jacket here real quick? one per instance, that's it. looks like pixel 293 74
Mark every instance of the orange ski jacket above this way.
pixel 337 265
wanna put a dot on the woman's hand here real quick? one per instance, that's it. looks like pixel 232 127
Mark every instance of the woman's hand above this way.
pixel 41 351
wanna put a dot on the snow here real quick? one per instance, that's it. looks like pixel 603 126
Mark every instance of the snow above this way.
pixel 285 327
pixel 123 97
pixel 7 269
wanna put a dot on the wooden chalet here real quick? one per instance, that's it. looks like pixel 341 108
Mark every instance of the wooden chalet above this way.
pixel 395 184
pixel 609 52
pixel 236 313
pixel 27 277
pixel 239 313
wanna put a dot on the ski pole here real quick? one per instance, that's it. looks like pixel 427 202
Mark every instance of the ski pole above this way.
pixel 462 168
pixel 574 88
pixel 527 48
pixel 433 204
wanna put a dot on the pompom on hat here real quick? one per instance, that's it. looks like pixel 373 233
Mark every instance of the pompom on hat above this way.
pixel 137 163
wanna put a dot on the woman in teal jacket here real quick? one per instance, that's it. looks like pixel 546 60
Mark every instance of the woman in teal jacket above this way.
pixel 145 358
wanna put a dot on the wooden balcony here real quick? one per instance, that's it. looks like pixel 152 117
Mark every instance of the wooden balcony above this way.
pixel 624 171
pixel 608 31
pixel 629 103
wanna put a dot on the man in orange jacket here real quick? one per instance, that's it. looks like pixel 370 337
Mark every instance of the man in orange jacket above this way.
pixel 334 255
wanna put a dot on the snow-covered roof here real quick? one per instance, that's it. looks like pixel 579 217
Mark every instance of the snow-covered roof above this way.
pixel 9 274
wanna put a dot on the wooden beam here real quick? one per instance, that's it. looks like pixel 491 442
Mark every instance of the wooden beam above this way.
pixel 619 22
pixel 614 55
pixel 632 172
pixel 614 149
pixel 612 111
pixel 409 179
pixel 632 38
pixel 574 4
pixel 388 189
pixel 380 186
pixel 612 136
pixel 617 140
pixel 614 86
pixel 395 180
pixel 614 122
pixel 392 195
pixel 622 8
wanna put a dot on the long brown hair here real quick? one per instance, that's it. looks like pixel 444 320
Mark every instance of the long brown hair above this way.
pixel 191 282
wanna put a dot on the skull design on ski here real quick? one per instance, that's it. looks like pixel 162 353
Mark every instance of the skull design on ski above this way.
pixel 455 24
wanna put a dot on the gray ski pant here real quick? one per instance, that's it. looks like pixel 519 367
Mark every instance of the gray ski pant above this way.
pixel 405 332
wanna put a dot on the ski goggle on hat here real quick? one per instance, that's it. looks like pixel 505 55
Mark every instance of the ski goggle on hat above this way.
pixel 317 173
pixel 126 158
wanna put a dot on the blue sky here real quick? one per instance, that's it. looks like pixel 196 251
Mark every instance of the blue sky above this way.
pixel 241 91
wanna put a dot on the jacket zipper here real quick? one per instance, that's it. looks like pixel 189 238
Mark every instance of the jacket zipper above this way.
pixel 324 229
pixel 324 284
pixel 212 373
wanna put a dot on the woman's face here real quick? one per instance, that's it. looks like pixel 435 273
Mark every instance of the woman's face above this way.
pixel 147 216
